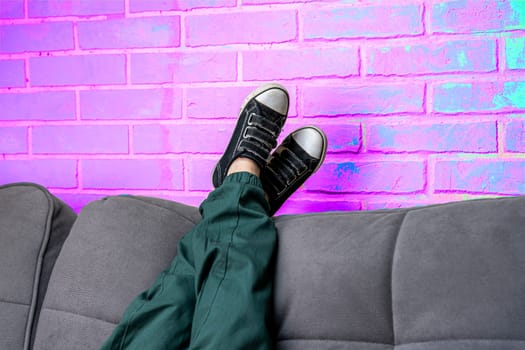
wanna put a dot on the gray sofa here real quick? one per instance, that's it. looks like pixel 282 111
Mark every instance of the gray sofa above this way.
pixel 447 277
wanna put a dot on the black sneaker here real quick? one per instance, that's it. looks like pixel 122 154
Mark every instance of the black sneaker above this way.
pixel 299 156
pixel 261 119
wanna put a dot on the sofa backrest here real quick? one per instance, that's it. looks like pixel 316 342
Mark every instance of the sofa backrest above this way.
pixel 34 225
pixel 442 277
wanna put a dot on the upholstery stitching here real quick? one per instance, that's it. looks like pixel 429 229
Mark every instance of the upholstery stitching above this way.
pixel 392 277
pixel 77 314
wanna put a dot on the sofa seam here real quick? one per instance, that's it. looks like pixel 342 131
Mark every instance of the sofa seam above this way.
pixel 392 276
pixel 138 199
pixel 78 314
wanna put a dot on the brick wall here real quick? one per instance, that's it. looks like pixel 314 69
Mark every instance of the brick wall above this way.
pixel 423 101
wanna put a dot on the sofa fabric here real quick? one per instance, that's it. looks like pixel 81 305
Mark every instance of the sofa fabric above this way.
pixel 115 250
pixel 34 225
pixel 441 277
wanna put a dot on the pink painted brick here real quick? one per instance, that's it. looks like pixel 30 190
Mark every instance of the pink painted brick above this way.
pixel 11 9
pixel 452 56
pixel 85 139
pixel 200 171
pixel 174 5
pixel 225 102
pixel 77 201
pixel 130 33
pixel 12 73
pixel 13 140
pixel 515 136
pixel 300 63
pixel 442 137
pixel 481 176
pixel 479 96
pixel 55 8
pixel 47 36
pixel 343 137
pixel 468 16
pixel 241 27
pixel 369 177
pixel 78 70
pixel 183 138
pixel 298 206
pixel 131 104
pixel 363 21
pixel 49 105
pixel 375 99
pixel 145 174
pixel 58 173
pixel 184 67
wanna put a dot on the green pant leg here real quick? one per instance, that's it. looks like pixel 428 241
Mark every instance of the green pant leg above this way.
pixel 234 269
pixel 160 318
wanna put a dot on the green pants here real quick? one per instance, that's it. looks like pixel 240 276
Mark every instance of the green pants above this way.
pixel 217 292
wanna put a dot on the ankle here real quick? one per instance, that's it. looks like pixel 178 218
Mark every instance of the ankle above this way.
pixel 242 164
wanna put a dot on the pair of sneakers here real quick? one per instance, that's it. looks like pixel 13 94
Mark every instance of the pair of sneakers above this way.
pixel 260 122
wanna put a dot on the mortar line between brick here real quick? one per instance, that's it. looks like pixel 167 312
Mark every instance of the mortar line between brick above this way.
pixel 76 42
pixel 300 26
pixel 184 105
pixel 126 8
pixel 30 141
pixel 501 61
pixel 500 137
pixel 26 9
pixel 128 68
pixel 77 105
pixel 27 73
pixel 182 31
pixel 240 64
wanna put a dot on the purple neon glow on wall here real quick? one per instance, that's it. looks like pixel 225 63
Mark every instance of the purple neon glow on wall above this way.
pixel 423 101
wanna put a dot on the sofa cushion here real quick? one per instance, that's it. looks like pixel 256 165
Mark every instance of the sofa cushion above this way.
pixel 34 225
pixel 442 277
pixel 116 248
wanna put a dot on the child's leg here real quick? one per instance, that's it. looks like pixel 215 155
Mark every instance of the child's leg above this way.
pixel 234 257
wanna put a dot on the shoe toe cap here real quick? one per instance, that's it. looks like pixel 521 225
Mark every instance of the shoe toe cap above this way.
pixel 276 99
pixel 312 141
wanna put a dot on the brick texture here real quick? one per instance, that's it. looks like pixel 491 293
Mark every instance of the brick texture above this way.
pixel 451 56
pixel 132 174
pixel 54 173
pixel 130 33
pixel 13 73
pixel 422 101
pixel 172 5
pixel 483 96
pixel 46 105
pixel 362 99
pixel 99 139
pixel 48 36
pixel 56 8
pixel 239 27
pixel 471 16
pixel 481 176
pixel 515 136
pixel 11 9
pixel 183 68
pixel 77 70
pixel 367 21
pixel 13 140
pixel 131 104
pixel 433 138
pixel 283 64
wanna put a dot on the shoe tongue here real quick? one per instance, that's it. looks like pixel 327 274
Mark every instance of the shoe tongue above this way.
pixel 309 141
